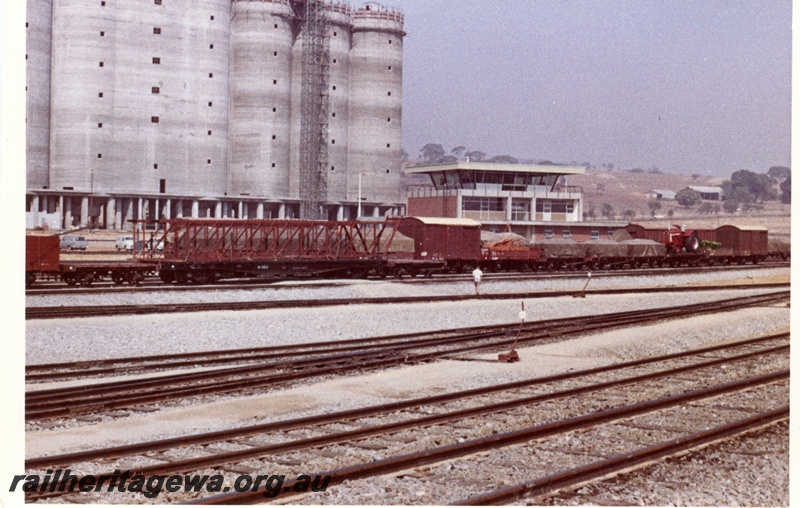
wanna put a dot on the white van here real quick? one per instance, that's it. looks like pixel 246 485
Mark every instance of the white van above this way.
pixel 73 242
pixel 125 242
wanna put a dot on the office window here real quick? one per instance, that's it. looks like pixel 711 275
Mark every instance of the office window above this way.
pixel 101 64
pixel 154 119
pixel 155 90
pixel 548 234
pixel 102 34
pixel 156 30
pixel 100 95
pixel 162 185
pixel 595 233
pixel 99 125
pixel 566 233
pixel 158 2
pixel 155 166
pixel 156 60
pixel 99 155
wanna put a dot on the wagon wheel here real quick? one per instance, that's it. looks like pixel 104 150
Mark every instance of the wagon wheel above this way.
pixel 30 278
pixel 181 277
pixel 70 279
pixel 134 278
pixel 118 278
pixel 87 279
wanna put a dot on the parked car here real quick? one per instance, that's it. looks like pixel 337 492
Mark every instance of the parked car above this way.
pixel 125 242
pixel 73 242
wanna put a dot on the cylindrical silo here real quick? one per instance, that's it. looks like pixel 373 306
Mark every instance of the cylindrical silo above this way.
pixel 140 97
pixel 338 97
pixel 375 127
pixel 260 115
pixel 38 30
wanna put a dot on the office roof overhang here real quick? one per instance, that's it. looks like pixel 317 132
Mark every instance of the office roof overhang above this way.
pixel 536 169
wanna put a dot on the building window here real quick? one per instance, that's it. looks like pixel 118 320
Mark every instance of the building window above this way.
pixel 274 81
pixel 388 145
pixel 210 74
pixel 210 103
pixel 520 209
pixel 273 164
pixel 483 207
pixel 390 41
pixel 276 25
pixel 388 119
pixel 212 18
pixel 333 168
pixel 162 185
pixel 334 60
pixel 333 115
pixel 102 34
pixel 155 90
pixel 210 46
pixel 102 4
pixel 274 110
pixel 274 136
pixel 333 141
pixel 274 53
pixel 157 30
pixel 334 87
pixel 100 95
pixel 334 34
pixel 611 232
pixel 156 60
pixel 99 155
pixel 389 94
pixel 565 233
pixel 155 166
pixel 208 161
pixel 153 119
pixel 99 125
pixel 158 2
pixel 595 233
pixel 101 64
pixel 548 234
pixel 209 133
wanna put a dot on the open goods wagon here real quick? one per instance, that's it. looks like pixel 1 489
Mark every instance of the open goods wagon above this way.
pixel 204 250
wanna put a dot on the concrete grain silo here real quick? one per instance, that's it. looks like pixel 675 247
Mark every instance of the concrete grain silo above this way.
pixel 374 123
pixel 170 108
pixel 261 78
pixel 339 99
pixel 38 30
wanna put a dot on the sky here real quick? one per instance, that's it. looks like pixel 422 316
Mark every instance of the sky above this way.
pixel 684 86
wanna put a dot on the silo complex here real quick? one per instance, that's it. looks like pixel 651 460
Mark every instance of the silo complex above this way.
pixel 169 108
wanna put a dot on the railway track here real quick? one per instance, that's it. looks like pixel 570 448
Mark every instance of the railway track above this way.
pixel 455 426
pixel 43 289
pixel 55 312
pixel 293 363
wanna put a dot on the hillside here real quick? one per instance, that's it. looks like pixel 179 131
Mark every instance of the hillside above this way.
pixel 624 190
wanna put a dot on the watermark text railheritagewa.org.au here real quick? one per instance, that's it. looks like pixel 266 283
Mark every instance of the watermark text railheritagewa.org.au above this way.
pixel 59 480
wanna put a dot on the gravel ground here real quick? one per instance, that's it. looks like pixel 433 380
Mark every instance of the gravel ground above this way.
pixel 63 340
pixel 373 288
pixel 74 339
